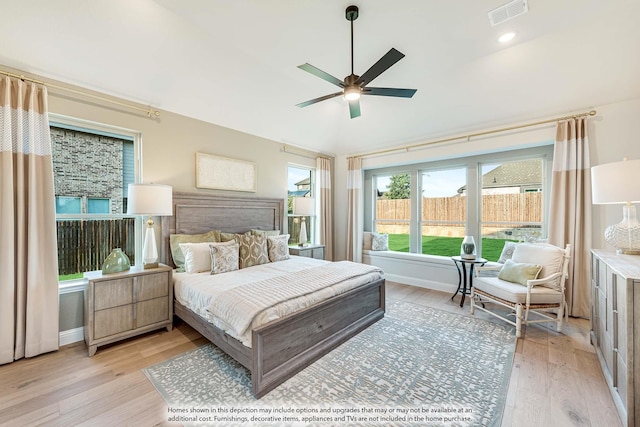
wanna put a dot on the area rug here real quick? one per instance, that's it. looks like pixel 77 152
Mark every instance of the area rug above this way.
pixel 417 366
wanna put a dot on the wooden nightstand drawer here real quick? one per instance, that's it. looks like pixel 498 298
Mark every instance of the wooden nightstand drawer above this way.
pixel 112 293
pixel 113 321
pixel 151 311
pixel 152 286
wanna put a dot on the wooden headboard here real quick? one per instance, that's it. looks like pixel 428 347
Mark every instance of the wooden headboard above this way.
pixel 195 213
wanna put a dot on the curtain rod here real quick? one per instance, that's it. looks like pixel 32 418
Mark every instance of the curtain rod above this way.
pixel 151 113
pixel 472 135
pixel 304 152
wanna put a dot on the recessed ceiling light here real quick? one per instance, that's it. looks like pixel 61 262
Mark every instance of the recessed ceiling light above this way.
pixel 506 37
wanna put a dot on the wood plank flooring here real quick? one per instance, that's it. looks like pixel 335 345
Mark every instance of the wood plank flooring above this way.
pixel 556 378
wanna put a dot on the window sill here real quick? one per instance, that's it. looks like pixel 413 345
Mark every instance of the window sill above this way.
pixel 430 259
pixel 72 286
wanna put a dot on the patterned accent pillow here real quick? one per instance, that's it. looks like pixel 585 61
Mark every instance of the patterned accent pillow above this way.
pixel 253 250
pixel 176 239
pixel 227 237
pixel 507 251
pixel 278 247
pixel 224 257
pixel 380 242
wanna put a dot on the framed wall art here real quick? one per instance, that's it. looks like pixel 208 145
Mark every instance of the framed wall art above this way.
pixel 223 173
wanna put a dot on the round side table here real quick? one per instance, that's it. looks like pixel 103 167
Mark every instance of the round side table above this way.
pixel 464 285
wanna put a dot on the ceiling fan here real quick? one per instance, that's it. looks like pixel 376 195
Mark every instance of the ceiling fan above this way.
pixel 353 86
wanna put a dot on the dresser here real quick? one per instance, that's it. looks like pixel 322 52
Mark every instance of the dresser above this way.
pixel 615 329
pixel 122 305
pixel 310 251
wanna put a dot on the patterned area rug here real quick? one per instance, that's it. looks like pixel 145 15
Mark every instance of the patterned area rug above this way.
pixel 417 366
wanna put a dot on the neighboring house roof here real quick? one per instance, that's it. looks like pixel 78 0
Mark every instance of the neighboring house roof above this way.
pixel 298 193
pixel 512 174
pixel 306 181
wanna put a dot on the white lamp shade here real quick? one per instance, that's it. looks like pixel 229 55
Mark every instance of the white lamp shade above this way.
pixel 304 206
pixel 149 199
pixel 616 183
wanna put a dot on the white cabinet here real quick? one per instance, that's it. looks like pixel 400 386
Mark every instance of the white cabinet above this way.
pixel 614 279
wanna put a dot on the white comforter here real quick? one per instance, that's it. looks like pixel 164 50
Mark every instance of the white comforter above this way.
pixel 199 291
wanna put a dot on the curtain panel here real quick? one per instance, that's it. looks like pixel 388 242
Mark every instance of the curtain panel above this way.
pixel 570 209
pixel 28 252
pixel 325 226
pixel 355 216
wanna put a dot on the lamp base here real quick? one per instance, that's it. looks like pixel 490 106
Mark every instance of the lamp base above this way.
pixel 625 236
pixel 150 265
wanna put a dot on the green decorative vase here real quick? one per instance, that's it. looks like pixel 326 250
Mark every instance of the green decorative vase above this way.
pixel 116 261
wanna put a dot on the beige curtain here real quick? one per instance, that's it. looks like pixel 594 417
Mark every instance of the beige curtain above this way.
pixel 355 212
pixel 570 209
pixel 325 226
pixel 28 249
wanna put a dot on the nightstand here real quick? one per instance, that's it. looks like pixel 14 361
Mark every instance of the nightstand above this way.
pixel 122 305
pixel 310 251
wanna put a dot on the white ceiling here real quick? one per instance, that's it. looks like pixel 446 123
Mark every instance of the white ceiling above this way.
pixel 234 63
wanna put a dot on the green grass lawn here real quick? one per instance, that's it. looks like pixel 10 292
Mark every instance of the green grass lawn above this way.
pixel 446 246
pixel 70 276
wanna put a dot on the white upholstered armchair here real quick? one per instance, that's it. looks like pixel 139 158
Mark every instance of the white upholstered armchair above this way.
pixel 532 282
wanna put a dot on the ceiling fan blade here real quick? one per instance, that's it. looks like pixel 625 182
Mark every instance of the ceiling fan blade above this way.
pixel 354 108
pixel 315 100
pixel 389 91
pixel 379 67
pixel 319 73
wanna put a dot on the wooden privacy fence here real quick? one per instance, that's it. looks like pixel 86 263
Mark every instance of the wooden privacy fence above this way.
pixel 510 208
pixel 84 244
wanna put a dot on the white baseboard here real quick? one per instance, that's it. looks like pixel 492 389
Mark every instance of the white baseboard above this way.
pixel 422 283
pixel 71 335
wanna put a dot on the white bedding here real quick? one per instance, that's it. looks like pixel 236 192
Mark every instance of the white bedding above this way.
pixel 198 291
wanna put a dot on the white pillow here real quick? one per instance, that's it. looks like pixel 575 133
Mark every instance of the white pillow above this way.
pixel 380 242
pixel 367 240
pixel 550 257
pixel 197 257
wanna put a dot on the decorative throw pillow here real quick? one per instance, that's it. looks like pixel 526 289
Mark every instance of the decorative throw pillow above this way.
pixel 197 257
pixel 253 250
pixel 380 242
pixel 278 247
pixel 227 237
pixel 367 240
pixel 224 256
pixel 550 257
pixel 507 251
pixel 176 239
pixel 266 233
pixel 515 272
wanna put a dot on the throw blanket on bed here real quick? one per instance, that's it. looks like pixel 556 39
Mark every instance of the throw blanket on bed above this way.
pixel 238 306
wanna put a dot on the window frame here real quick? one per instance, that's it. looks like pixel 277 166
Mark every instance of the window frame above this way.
pixel 474 188
pixel 311 226
pixel 81 125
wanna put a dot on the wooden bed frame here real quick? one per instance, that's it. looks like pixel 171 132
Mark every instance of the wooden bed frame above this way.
pixel 285 346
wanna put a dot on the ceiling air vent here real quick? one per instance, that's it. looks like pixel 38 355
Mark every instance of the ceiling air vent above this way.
pixel 508 11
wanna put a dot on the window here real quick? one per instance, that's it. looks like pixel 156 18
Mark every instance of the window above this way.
pixel 300 183
pixel 512 203
pixel 92 170
pixel 443 208
pixel 393 207
pixel 494 198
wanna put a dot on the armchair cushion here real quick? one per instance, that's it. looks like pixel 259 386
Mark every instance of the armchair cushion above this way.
pixel 515 272
pixel 548 256
pixel 515 293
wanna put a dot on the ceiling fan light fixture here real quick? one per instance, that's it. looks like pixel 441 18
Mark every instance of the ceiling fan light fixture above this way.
pixel 352 93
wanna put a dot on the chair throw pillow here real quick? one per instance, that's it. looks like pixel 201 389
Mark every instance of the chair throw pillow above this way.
pixel 507 251
pixel 380 242
pixel 515 272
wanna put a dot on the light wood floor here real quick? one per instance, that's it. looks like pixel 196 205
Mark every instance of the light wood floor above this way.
pixel 555 381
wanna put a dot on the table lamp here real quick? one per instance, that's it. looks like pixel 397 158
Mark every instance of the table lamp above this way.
pixel 617 183
pixel 304 207
pixel 151 200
